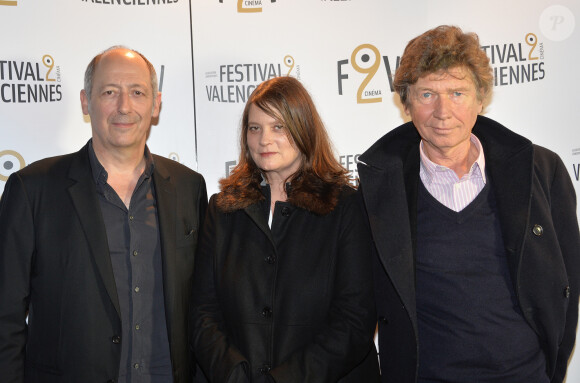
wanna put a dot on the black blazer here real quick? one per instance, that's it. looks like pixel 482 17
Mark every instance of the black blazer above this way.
pixel 55 265
pixel 532 187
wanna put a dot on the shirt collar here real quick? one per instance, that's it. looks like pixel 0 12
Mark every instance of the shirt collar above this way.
pixel 99 173
pixel 430 168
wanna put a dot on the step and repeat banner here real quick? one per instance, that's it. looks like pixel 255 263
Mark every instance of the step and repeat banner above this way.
pixel 44 50
pixel 211 54
pixel 346 52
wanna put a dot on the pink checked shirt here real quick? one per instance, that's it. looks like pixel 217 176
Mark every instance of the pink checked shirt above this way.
pixel 443 184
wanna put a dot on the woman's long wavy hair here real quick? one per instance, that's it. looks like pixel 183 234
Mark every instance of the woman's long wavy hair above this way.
pixel 286 99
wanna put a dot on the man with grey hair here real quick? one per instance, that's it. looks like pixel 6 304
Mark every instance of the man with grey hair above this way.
pixel 97 247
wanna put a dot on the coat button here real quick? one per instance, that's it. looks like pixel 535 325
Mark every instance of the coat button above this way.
pixel 567 292
pixel 538 230
pixel 264 370
pixel 116 339
pixel 270 259
pixel 285 211
pixel 266 312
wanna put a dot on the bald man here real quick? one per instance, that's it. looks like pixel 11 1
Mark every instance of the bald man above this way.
pixel 97 247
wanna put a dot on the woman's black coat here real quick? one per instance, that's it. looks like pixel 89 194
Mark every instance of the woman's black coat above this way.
pixel 293 303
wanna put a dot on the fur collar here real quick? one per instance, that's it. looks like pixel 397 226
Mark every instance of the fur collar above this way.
pixel 308 192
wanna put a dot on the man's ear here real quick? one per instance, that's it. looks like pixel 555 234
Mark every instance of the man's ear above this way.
pixel 84 102
pixel 156 105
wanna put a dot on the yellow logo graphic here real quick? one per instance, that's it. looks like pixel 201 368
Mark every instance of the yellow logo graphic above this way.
pixel 173 156
pixel 367 66
pixel 531 40
pixel 249 6
pixel 366 59
pixel 289 62
pixel 7 160
pixel 12 3
pixel 48 62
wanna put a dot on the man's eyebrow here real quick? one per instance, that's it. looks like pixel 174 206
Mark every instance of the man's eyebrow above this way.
pixel 115 85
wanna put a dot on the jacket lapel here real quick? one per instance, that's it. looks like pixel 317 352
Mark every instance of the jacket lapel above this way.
pixel 167 213
pixel 509 164
pixel 386 204
pixel 389 172
pixel 256 213
pixel 84 198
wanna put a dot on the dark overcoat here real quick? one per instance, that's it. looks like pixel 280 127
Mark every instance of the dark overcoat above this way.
pixel 55 265
pixel 294 302
pixel 537 208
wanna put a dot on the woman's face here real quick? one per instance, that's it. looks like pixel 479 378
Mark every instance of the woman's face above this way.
pixel 270 146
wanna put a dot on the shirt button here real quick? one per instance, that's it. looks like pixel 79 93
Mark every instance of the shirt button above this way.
pixel 285 211
pixel 116 339
pixel 266 312
pixel 135 253
pixel 137 289
pixel 538 230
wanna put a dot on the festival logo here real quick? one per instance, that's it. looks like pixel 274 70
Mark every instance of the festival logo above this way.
pixel 250 6
pixel 371 71
pixel 173 156
pixel 517 63
pixel 230 165
pixel 349 162
pixel 10 162
pixel 234 83
pixel 30 81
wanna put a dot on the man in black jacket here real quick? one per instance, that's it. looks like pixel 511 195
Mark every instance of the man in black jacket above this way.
pixel 97 247
pixel 475 228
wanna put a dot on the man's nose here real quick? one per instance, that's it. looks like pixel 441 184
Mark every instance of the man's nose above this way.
pixel 442 107
pixel 124 103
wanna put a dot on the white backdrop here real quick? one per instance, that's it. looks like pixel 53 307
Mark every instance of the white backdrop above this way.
pixel 72 33
pixel 337 48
